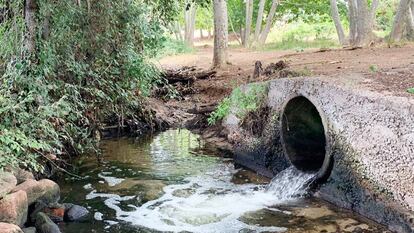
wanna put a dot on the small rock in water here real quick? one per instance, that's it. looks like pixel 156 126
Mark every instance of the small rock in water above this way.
pixel 76 213
pixel 56 213
pixel 29 230
pixel 45 225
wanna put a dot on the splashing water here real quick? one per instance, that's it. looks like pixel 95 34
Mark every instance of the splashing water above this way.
pixel 211 202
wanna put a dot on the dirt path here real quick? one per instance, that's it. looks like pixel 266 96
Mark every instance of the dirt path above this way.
pixel 390 70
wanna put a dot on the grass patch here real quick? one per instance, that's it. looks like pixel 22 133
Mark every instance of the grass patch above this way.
pixel 244 101
pixel 411 90
pixel 174 47
pixel 300 45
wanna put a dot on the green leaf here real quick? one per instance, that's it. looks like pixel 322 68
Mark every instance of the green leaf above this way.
pixel 411 90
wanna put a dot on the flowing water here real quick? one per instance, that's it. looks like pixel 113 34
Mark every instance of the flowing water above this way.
pixel 173 182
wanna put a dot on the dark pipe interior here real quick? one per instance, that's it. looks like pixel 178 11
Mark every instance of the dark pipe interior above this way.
pixel 303 135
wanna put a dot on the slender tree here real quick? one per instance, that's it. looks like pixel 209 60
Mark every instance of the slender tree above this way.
pixel 220 33
pixel 190 19
pixel 30 20
pixel 259 20
pixel 269 22
pixel 249 17
pixel 337 21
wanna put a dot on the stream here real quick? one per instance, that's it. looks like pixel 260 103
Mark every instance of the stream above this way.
pixel 174 182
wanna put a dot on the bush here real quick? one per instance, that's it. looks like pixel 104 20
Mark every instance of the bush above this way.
pixel 243 102
pixel 90 69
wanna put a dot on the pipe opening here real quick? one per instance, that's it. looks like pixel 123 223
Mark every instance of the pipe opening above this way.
pixel 303 135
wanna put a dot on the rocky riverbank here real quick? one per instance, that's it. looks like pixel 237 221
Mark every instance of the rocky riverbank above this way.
pixel 29 205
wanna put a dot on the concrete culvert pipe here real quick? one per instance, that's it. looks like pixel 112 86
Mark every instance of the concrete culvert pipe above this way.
pixel 304 137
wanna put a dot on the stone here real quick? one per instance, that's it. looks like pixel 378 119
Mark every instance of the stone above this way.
pixel 29 230
pixel 32 188
pixel 56 214
pixel 67 206
pixel 76 213
pixel 45 225
pixel 45 190
pixel 55 211
pixel 7 182
pixel 36 208
pixel 13 208
pixel 51 191
pixel 9 228
pixel 22 175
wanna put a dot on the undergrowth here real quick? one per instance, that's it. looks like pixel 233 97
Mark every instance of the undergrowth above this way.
pixel 240 102
pixel 90 67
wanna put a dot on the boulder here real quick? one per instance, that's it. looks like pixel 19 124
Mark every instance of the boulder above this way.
pixel 45 190
pixel 45 225
pixel 9 228
pixel 22 175
pixel 51 191
pixel 29 230
pixel 13 208
pixel 76 213
pixel 7 182
pixel 32 188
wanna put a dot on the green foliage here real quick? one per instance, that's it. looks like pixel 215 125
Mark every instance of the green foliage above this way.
pixel 373 68
pixel 92 68
pixel 300 35
pixel 241 102
pixel 173 47
pixel 411 90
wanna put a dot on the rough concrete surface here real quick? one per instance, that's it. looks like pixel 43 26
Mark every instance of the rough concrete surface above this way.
pixel 370 140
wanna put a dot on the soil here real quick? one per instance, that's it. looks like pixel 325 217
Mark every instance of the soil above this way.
pixel 389 71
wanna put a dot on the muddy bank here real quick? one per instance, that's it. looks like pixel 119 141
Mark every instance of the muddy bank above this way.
pixel 361 143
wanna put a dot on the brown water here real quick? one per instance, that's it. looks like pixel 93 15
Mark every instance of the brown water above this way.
pixel 174 182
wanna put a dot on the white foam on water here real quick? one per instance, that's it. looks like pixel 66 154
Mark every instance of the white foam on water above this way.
pixel 111 181
pixel 214 204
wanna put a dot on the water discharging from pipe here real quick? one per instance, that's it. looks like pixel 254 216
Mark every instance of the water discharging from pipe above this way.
pixel 171 183
pixel 212 203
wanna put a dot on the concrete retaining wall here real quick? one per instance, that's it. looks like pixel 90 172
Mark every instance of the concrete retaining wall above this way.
pixel 370 140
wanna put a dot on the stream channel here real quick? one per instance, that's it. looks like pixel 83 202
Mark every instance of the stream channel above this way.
pixel 175 182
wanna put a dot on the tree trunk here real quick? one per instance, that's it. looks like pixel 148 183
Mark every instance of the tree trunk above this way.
pixel 259 20
pixel 234 32
pixel 190 17
pixel 352 11
pixel 220 33
pixel 397 27
pixel 269 22
pixel 337 21
pixel 410 22
pixel 361 21
pixel 249 16
pixel 201 34
pixel 30 20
